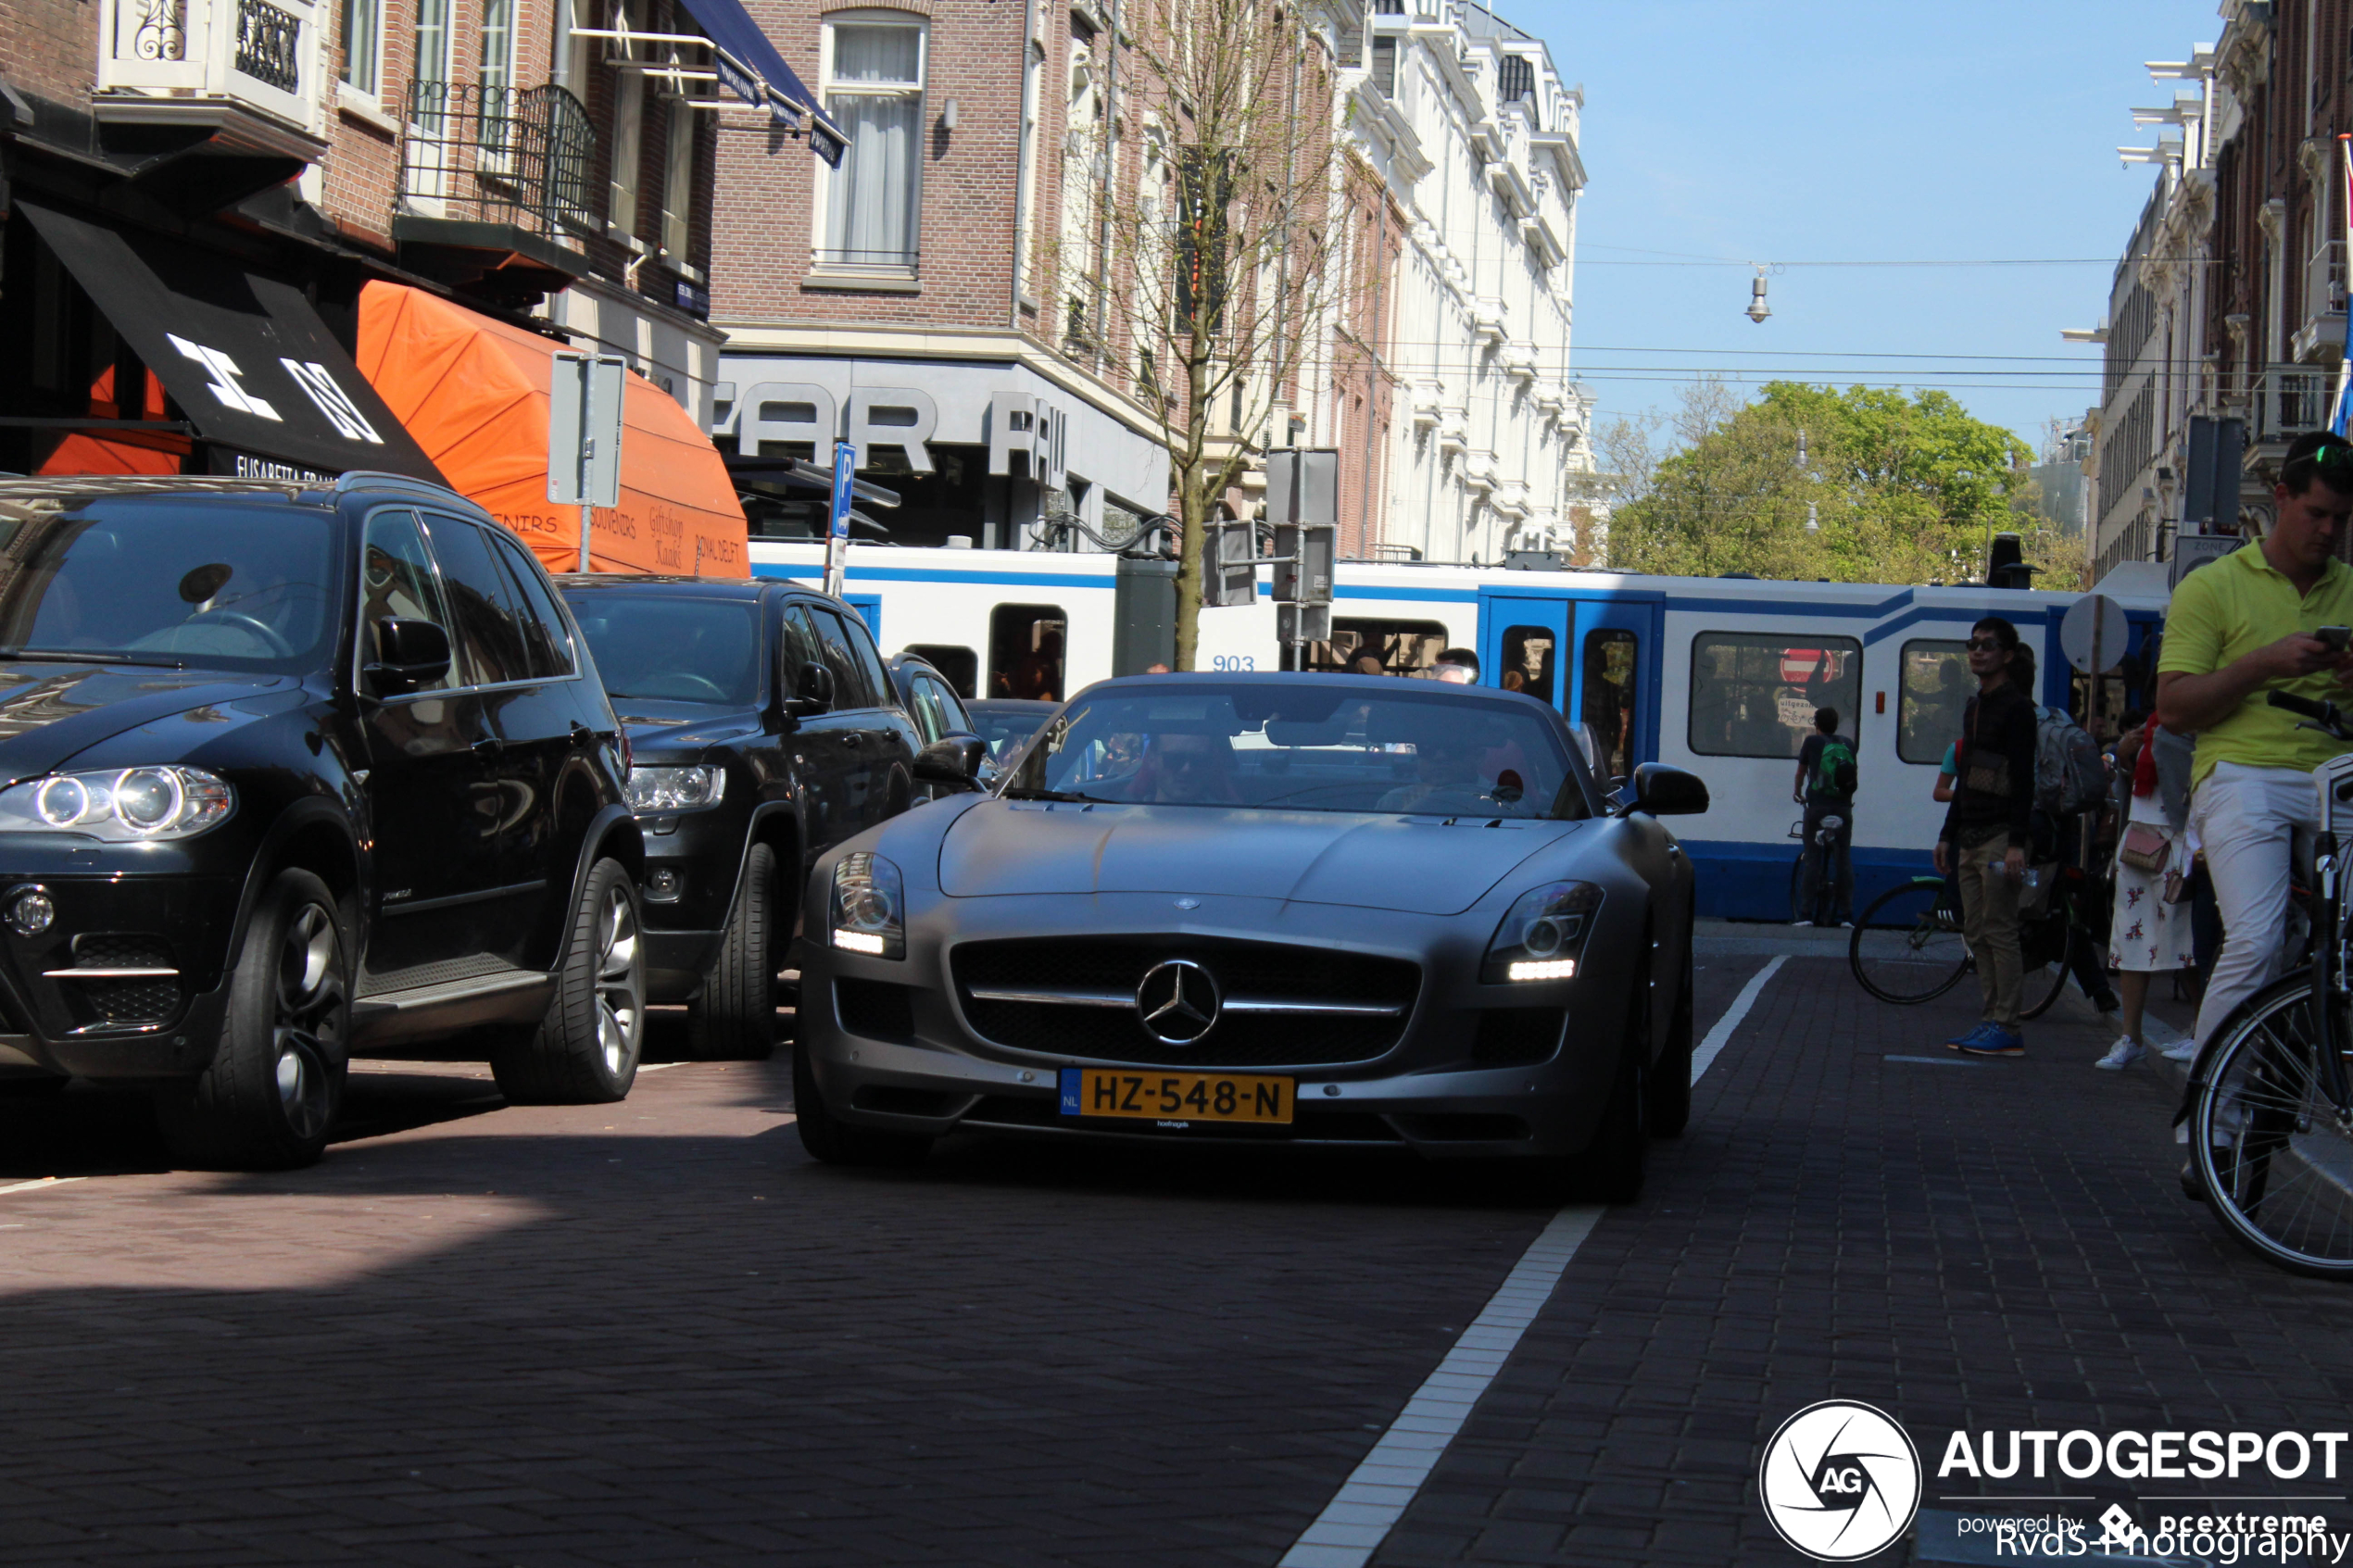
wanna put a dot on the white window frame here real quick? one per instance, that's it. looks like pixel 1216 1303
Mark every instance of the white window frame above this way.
pixel 679 182
pixel 371 15
pixel 821 208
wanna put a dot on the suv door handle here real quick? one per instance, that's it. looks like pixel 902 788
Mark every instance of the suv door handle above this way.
pixel 489 745
pixel 854 737
pixel 581 733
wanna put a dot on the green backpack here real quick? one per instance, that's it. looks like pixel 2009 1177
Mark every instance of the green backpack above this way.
pixel 1834 769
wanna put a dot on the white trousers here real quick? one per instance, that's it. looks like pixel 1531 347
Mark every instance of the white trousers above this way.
pixel 2256 825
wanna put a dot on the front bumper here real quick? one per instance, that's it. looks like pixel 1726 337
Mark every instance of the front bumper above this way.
pixel 927 1070
pixel 66 1003
pixel 704 850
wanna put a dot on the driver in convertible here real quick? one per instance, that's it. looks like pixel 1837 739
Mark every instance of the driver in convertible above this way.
pixel 1185 770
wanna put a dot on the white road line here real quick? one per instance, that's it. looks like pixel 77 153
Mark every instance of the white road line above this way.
pixel 1705 1051
pixel 1370 1502
pixel 43 1181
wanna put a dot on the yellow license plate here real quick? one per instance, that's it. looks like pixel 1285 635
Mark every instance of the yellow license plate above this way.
pixel 1175 1096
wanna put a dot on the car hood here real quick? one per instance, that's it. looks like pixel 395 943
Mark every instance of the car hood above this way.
pixel 680 728
pixel 50 712
pixel 1422 865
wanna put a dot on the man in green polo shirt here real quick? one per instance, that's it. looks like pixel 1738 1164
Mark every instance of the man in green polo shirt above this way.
pixel 2238 629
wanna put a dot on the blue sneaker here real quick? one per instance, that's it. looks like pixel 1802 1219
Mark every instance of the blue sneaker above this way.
pixel 1997 1041
pixel 1957 1041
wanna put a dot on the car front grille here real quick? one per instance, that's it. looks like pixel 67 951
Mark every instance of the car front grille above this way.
pixel 1279 1005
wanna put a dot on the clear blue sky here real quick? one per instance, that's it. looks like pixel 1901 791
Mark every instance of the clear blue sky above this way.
pixel 1835 129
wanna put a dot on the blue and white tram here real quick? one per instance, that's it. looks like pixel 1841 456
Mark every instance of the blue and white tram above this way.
pixel 1717 675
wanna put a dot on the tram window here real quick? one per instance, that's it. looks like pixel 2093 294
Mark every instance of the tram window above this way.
pixel 1025 652
pixel 1608 717
pixel 960 665
pixel 1528 661
pixel 1403 647
pixel 1936 689
pixel 1753 695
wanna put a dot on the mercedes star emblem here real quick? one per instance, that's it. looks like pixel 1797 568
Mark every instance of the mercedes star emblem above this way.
pixel 1177 1002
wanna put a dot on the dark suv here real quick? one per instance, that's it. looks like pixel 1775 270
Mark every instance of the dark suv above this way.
pixel 765 731
pixel 293 775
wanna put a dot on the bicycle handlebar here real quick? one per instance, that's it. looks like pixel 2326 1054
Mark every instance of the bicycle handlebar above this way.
pixel 2324 715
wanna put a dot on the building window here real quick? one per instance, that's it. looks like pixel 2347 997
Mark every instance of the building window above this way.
pixel 678 182
pixel 873 76
pixel 433 39
pixel 1516 80
pixel 1754 694
pixel 497 71
pixel 628 146
pixel 1385 66
pixel 362 45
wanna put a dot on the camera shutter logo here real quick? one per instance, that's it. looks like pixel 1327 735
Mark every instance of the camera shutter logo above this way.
pixel 1840 1481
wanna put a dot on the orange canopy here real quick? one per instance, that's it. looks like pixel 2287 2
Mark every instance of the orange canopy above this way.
pixel 473 392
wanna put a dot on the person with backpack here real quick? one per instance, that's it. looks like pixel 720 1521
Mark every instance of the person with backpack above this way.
pixel 1989 827
pixel 1825 786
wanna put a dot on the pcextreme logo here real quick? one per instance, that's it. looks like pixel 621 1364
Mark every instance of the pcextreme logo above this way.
pixel 1840 1480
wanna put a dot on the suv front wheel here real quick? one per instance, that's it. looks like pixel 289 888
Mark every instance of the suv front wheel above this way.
pixel 271 1096
pixel 585 1051
pixel 734 1019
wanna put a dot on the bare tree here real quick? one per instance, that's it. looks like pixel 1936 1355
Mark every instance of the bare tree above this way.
pixel 1212 277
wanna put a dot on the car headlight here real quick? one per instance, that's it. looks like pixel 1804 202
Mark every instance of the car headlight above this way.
pixel 1542 936
pixel 120 805
pixel 870 906
pixel 687 788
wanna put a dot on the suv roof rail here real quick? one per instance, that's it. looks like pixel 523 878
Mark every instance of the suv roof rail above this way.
pixel 377 479
pixel 59 492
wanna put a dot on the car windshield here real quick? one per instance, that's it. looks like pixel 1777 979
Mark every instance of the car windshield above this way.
pixel 1377 748
pixel 172 583
pixel 1004 725
pixel 673 648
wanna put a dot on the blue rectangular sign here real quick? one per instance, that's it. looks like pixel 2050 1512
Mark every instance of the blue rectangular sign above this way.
pixel 845 461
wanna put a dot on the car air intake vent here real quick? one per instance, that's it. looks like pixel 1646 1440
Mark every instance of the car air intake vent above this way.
pixel 876 1008
pixel 128 1001
pixel 1274 1005
pixel 1510 1036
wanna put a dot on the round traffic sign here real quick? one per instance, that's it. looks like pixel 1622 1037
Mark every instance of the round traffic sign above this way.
pixel 2075 633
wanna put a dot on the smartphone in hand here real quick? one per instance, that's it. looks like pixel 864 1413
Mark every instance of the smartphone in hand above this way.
pixel 2337 637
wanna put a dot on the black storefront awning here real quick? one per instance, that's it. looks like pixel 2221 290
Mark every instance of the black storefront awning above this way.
pixel 246 356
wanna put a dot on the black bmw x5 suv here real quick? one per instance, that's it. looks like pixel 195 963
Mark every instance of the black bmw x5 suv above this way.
pixel 291 773
pixel 765 730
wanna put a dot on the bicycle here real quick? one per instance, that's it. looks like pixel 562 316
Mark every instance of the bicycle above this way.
pixel 1909 946
pixel 2269 1105
pixel 1824 891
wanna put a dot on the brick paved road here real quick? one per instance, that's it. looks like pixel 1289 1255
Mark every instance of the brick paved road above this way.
pixel 655 1332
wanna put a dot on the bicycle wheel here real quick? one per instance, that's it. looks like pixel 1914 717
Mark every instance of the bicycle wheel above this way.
pixel 2040 983
pixel 1797 899
pixel 2275 1155
pixel 1908 946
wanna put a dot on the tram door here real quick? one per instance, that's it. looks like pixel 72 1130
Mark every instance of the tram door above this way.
pixel 1613 691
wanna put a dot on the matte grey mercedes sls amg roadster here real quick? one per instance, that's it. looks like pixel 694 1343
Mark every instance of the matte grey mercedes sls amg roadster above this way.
pixel 1326 910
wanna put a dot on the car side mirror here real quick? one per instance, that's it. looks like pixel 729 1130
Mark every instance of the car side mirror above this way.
pixel 814 694
pixel 409 653
pixel 1662 791
pixel 952 760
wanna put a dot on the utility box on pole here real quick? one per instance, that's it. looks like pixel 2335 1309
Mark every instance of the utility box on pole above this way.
pixel 585 394
pixel 1143 615
pixel 1302 501
pixel 2210 488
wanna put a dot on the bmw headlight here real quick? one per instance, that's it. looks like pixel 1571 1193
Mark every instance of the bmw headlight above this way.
pixel 670 788
pixel 1542 936
pixel 870 906
pixel 120 805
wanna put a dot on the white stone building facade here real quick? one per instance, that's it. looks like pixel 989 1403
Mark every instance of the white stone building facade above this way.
pixel 1463 120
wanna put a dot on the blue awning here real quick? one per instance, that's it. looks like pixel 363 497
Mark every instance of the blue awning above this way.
pixel 750 67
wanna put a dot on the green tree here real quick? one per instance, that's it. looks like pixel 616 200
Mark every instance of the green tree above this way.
pixel 1897 489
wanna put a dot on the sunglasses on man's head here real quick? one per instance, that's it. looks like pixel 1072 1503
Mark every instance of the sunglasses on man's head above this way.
pixel 2330 458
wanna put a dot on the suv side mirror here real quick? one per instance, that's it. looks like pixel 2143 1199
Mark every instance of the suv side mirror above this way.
pixel 411 653
pixel 952 760
pixel 814 692
pixel 1662 791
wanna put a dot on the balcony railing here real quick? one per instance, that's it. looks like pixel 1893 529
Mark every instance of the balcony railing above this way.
pixel 2284 404
pixel 168 58
pixel 515 156
pixel 2319 334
